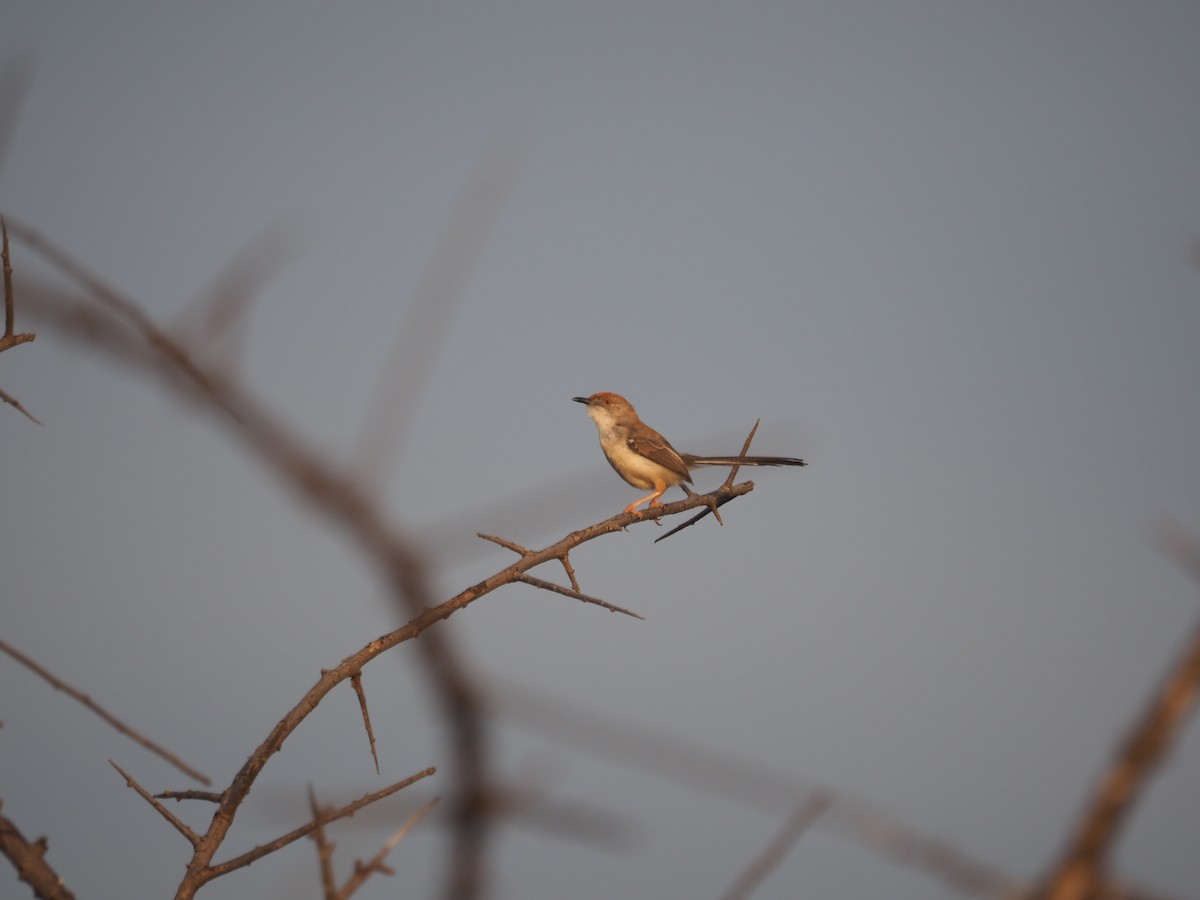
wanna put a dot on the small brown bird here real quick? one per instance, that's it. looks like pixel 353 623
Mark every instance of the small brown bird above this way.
pixel 646 459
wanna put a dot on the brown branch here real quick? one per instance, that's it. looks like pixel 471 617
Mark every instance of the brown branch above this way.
pixel 745 448
pixel 192 837
pixel 780 846
pixel 569 569
pixel 207 796
pixel 9 340
pixel 508 545
pixel 711 502
pixel 19 407
pixel 714 505
pixel 326 487
pixel 356 683
pixel 325 849
pixel 29 859
pixel 323 819
pixel 568 592
pixel 199 870
pixel 544 585
pixel 60 685
pixel 331 493
pixel 1080 873
pixel 378 863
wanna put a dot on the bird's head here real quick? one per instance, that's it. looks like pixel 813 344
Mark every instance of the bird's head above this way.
pixel 605 408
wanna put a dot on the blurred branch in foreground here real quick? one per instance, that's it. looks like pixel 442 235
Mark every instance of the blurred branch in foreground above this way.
pixel 1081 872
pixel 10 339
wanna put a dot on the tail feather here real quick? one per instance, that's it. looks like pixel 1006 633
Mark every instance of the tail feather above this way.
pixel 742 461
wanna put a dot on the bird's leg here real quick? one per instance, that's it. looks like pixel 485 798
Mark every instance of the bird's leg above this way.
pixel 660 488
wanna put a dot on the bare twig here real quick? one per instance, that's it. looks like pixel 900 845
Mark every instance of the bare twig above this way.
pixel 10 340
pixel 207 796
pixel 544 585
pixel 715 504
pixel 356 683
pixel 325 849
pixel 745 449
pixel 1080 873
pixel 570 570
pixel 568 592
pixel 60 685
pixel 29 859
pixel 19 407
pixel 378 863
pixel 324 818
pixel 780 846
pixel 192 837
pixel 507 544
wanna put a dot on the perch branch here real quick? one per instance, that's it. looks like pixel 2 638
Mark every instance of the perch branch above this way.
pixel 327 489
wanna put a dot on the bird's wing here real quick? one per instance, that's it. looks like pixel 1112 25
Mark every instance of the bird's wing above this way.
pixel 657 449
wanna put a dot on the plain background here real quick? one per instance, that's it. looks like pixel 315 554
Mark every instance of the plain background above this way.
pixel 945 251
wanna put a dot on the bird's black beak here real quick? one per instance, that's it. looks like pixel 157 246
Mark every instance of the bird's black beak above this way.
pixel 581 399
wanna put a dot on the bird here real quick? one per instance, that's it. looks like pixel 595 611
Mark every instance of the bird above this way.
pixel 644 458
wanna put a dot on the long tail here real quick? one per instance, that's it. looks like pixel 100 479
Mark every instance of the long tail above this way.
pixel 747 461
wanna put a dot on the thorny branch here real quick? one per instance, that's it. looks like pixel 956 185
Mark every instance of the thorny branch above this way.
pixel 714 506
pixel 176 822
pixel 362 871
pixel 317 822
pixel 340 498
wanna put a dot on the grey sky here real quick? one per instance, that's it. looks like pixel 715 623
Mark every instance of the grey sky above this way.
pixel 941 249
